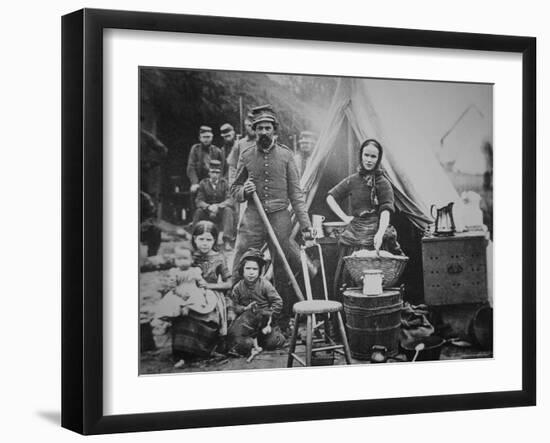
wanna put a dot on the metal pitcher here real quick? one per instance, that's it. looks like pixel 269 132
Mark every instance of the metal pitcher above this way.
pixel 317 223
pixel 444 222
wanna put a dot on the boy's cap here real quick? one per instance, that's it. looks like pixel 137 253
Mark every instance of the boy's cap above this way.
pixel 226 128
pixel 215 165
pixel 205 129
pixel 253 254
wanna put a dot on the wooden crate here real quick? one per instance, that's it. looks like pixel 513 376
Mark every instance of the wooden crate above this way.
pixel 455 269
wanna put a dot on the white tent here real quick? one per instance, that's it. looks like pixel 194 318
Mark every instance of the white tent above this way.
pixel 413 168
pixel 462 145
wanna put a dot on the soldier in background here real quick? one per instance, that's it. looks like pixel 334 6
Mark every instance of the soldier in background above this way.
pixel 214 203
pixel 229 144
pixel 198 164
pixel 248 140
pixel 306 143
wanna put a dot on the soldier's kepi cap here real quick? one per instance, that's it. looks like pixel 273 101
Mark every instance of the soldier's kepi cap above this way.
pixel 226 128
pixel 264 113
pixel 307 136
pixel 249 117
pixel 205 129
pixel 215 166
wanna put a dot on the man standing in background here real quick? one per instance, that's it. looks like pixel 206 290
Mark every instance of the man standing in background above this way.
pixel 306 143
pixel 198 164
pixel 229 144
pixel 248 140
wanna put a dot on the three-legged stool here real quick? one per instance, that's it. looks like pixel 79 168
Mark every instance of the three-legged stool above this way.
pixel 310 308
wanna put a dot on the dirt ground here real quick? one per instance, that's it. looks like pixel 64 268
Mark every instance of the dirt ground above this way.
pixel 159 360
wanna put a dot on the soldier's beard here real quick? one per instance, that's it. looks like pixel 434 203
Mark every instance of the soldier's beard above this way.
pixel 264 141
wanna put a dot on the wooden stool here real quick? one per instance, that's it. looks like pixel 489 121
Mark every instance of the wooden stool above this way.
pixel 311 308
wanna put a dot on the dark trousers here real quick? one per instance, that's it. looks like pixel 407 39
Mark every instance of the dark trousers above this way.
pixel 224 220
pixel 253 234
pixel 151 236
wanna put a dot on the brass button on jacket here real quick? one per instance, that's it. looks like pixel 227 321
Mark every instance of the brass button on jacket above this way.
pixel 284 180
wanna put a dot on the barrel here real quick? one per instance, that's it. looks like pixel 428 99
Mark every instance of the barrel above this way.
pixel 373 320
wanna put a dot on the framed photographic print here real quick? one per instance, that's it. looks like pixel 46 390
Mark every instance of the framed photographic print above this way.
pixel 314 210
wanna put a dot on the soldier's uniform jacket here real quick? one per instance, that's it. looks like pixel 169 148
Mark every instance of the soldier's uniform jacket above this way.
pixel 207 194
pixel 233 157
pixel 198 164
pixel 276 177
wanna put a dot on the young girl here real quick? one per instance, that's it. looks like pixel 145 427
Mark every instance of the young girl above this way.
pixel 254 302
pixel 196 334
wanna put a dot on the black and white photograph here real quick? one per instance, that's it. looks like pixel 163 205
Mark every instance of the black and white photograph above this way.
pixel 289 221
pixel 275 222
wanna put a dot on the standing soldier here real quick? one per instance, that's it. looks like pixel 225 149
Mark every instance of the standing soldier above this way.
pixel 198 164
pixel 229 144
pixel 268 168
pixel 248 140
pixel 250 135
pixel 306 143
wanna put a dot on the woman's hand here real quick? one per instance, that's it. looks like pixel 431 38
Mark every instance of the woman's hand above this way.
pixel 378 237
pixel 347 218
pixel 333 204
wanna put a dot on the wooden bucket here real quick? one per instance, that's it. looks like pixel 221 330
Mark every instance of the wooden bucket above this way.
pixel 373 320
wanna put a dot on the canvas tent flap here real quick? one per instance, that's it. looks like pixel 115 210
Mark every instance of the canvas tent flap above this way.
pixel 417 177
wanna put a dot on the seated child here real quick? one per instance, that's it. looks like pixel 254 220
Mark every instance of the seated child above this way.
pixel 254 302
pixel 185 287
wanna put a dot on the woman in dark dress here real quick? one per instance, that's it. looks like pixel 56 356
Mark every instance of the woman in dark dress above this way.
pixel 372 202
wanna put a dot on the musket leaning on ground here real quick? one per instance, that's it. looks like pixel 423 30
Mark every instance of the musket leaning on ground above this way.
pixel 273 238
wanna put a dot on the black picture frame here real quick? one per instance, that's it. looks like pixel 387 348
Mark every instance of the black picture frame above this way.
pixel 82 218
